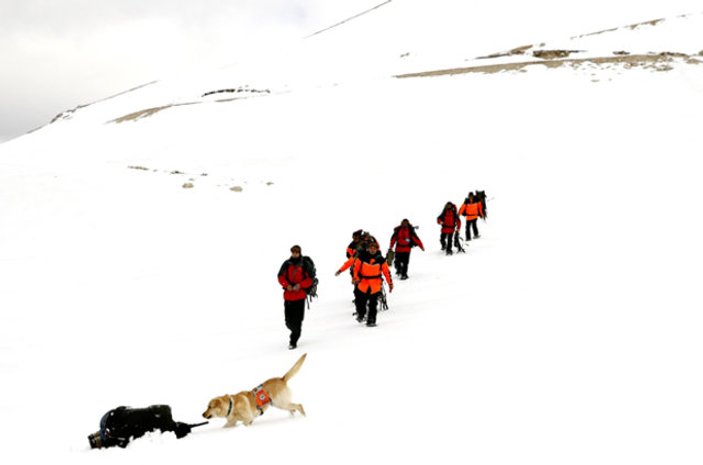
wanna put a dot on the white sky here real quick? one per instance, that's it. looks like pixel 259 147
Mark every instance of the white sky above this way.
pixel 56 55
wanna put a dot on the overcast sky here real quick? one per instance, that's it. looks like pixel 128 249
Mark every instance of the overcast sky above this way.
pixel 58 54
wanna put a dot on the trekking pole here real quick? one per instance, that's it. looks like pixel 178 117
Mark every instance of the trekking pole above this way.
pixel 457 243
pixel 384 301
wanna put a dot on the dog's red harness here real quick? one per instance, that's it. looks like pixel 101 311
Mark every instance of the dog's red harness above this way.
pixel 262 398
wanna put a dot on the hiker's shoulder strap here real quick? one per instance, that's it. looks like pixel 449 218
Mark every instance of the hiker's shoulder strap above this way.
pixel 307 263
pixel 283 268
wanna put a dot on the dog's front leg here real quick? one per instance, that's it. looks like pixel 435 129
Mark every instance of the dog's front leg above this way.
pixel 231 423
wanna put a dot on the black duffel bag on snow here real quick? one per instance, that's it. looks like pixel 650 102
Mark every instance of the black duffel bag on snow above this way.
pixel 122 424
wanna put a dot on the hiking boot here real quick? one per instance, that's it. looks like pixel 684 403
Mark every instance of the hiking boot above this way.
pixel 404 277
pixel 292 346
pixel 449 252
pixel 370 324
pixel 476 236
pixel 360 318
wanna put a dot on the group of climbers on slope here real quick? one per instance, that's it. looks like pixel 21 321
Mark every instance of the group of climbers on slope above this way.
pixel 369 268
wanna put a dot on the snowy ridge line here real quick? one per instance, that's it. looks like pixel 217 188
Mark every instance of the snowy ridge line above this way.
pixel 542 50
pixel 348 19
pixel 632 27
pixel 146 112
pixel 123 92
pixel 658 62
pixel 68 113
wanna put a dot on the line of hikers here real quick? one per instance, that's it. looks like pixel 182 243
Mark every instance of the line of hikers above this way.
pixel 473 208
pixel 369 268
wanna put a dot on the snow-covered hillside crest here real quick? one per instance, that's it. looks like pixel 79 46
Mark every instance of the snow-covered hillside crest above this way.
pixel 658 44
pixel 568 333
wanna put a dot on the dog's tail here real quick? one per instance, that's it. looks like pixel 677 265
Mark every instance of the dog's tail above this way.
pixel 295 368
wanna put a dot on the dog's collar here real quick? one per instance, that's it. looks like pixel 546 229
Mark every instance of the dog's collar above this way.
pixel 229 410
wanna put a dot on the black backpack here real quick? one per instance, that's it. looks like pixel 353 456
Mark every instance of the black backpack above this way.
pixel 122 424
pixel 309 268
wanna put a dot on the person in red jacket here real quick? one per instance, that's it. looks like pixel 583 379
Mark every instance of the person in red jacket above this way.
pixel 404 239
pixel 295 280
pixel 471 210
pixel 450 222
pixel 370 268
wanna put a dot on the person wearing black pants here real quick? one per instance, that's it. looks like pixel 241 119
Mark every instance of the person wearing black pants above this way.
pixel 294 279
pixel 450 222
pixel 294 313
pixel 370 269
pixel 404 239
pixel 471 210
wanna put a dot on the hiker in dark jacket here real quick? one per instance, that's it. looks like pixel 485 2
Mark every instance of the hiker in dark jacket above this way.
pixel 295 281
pixel 355 245
pixel 404 239
pixel 480 197
pixel 450 222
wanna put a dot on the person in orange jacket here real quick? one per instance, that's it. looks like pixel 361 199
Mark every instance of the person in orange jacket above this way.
pixel 404 239
pixel 370 269
pixel 450 222
pixel 295 280
pixel 471 210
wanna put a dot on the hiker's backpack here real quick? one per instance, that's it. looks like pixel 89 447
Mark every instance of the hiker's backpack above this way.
pixel 411 235
pixel 454 212
pixel 309 268
pixel 122 424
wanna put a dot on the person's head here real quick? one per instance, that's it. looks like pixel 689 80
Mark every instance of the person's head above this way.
pixel 405 223
pixel 471 196
pixel 372 247
pixel 448 205
pixel 295 251
pixel 356 235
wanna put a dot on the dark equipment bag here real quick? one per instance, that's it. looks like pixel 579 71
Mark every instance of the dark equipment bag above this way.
pixel 122 424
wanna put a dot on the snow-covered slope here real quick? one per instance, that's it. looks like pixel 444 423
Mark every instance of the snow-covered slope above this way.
pixel 568 333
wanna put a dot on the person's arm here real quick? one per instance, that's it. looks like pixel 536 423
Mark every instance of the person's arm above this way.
pixel 387 275
pixel 346 265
